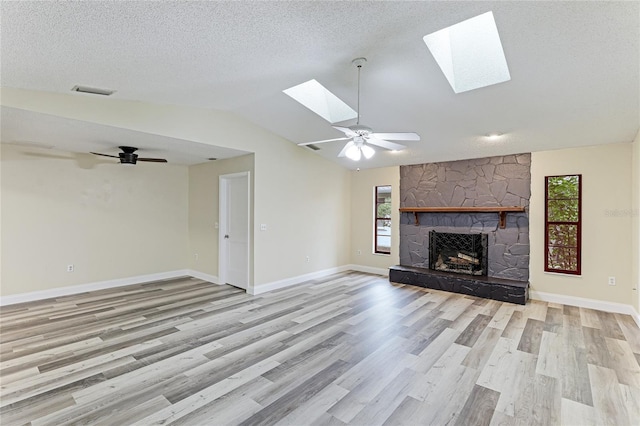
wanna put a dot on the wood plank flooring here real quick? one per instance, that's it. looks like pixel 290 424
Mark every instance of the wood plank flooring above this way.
pixel 348 349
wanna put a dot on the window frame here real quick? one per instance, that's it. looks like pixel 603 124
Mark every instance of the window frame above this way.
pixel 578 224
pixel 376 218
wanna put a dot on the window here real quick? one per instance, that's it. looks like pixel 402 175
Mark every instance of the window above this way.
pixel 382 243
pixel 563 204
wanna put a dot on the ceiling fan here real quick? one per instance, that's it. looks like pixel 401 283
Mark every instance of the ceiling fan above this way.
pixel 361 137
pixel 128 156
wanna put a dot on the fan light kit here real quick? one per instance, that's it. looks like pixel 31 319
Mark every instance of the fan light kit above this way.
pixel 362 137
pixel 358 149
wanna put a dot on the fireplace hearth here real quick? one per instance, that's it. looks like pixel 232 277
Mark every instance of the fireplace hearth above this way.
pixel 458 253
pixel 486 287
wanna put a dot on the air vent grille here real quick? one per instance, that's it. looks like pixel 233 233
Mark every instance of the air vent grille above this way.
pixel 93 90
pixel 313 147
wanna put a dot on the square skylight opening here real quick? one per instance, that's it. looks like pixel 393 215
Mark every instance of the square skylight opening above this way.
pixel 318 99
pixel 470 53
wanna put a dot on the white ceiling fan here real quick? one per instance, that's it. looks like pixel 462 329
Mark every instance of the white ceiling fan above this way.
pixel 361 137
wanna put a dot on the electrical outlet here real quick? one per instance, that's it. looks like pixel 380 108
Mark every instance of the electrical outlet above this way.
pixel 612 280
pixel 70 268
pixel 359 252
pixel 217 225
pixel 263 226
pixel 307 258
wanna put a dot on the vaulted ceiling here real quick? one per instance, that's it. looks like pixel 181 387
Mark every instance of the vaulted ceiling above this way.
pixel 575 71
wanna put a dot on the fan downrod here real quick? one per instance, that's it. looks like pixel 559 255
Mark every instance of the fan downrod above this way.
pixel 359 62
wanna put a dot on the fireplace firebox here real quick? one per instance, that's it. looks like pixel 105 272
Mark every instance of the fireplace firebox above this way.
pixel 458 253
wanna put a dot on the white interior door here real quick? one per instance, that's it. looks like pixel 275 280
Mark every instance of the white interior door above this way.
pixel 234 229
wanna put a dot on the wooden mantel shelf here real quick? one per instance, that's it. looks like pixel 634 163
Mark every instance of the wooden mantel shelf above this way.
pixel 502 211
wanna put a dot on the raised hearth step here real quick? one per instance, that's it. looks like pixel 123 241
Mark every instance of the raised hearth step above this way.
pixel 479 286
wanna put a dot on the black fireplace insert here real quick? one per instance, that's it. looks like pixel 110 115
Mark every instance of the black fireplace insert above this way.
pixel 458 253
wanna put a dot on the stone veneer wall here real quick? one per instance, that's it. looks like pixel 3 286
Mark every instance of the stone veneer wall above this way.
pixel 493 181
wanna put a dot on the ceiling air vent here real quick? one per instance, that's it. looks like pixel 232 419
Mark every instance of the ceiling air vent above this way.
pixel 93 90
pixel 313 147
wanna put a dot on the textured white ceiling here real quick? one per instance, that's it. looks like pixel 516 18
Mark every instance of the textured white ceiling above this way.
pixel 575 67
pixel 28 129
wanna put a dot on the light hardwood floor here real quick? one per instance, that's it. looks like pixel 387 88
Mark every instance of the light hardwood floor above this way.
pixel 349 349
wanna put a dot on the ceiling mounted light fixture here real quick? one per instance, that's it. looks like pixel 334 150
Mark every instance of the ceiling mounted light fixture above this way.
pixel 358 148
pixel 367 151
pixel 354 153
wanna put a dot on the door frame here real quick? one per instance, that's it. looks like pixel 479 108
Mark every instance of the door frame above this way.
pixel 222 214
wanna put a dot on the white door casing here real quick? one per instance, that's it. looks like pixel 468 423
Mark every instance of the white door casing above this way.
pixel 234 229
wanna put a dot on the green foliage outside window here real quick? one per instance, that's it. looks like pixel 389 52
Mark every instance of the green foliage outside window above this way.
pixel 563 224
pixel 384 210
pixel 563 198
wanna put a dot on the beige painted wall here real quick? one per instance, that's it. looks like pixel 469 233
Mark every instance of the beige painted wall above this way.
pixel 635 222
pixel 303 198
pixel 305 202
pixel 204 210
pixel 363 184
pixel 606 236
pixel 110 221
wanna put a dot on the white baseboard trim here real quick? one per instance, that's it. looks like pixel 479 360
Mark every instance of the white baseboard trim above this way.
pixel 205 277
pixel 83 288
pixel 620 308
pixel 120 282
pixel 287 282
pixel 369 269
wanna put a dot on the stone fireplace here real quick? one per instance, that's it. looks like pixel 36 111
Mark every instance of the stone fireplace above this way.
pixel 500 257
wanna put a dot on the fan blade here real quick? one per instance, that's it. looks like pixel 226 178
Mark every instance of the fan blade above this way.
pixel 386 144
pixel 347 131
pixel 322 141
pixel 346 147
pixel 153 160
pixel 397 136
pixel 105 155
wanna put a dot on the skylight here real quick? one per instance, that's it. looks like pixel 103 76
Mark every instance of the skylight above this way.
pixel 470 53
pixel 318 99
